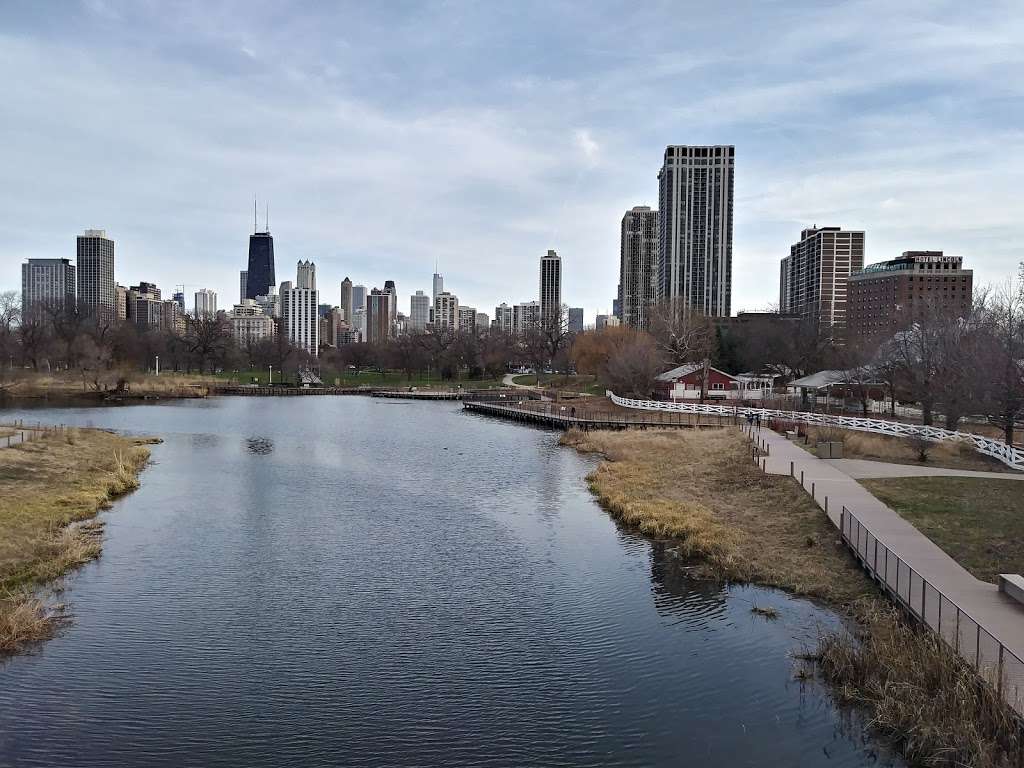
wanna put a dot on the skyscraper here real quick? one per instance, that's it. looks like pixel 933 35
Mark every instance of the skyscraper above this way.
pixel 813 278
pixel 242 279
pixel 260 274
pixel 503 318
pixel 346 300
pixel 379 326
pixel 550 287
pixel 419 311
pixel 206 303
pixel 300 320
pixel 95 272
pixel 438 285
pixel 47 283
pixel 575 319
pixel 695 190
pixel 305 275
pixel 446 311
pixel 638 255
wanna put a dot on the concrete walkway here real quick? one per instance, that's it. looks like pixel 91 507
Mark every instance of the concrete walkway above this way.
pixel 509 381
pixel 863 469
pixel 834 489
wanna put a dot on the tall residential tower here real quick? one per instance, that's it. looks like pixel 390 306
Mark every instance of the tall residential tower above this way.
pixel 813 278
pixel 550 287
pixel 638 255
pixel 95 272
pixel 695 191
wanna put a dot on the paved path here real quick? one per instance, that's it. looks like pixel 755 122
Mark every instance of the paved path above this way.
pixel 834 489
pixel 862 469
pixel 509 381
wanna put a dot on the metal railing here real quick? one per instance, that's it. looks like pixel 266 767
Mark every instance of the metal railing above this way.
pixel 1009 455
pixel 989 657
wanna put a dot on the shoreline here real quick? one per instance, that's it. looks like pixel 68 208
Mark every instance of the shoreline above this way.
pixel 57 484
pixel 699 491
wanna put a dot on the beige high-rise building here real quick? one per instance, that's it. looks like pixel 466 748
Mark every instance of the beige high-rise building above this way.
pixel 813 278
pixel 95 272
pixel 550 287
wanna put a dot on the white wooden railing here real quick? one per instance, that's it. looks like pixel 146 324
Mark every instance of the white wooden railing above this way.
pixel 1009 455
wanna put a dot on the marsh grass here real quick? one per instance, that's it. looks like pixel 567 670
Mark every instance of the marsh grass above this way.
pixel 29 384
pixel 701 488
pixel 919 692
pixel 51 489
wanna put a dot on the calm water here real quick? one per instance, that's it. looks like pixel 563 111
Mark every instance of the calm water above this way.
pixel 348 581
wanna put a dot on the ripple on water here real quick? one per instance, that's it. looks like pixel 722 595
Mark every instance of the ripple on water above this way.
pixel 320 583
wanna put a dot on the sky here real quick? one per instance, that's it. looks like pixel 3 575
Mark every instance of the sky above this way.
pixel 390 137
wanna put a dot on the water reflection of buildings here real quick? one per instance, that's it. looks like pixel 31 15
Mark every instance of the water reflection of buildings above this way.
pixel 260 446
pixel 678 593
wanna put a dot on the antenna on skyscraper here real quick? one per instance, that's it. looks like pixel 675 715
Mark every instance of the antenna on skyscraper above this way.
pixel 266 220
pixel 255 226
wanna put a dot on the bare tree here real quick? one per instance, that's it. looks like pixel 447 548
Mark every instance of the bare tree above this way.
pixel 1003 354
pixel 684 335
pixel 207 339
pixel 632 369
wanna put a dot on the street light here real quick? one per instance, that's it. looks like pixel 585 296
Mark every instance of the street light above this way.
pixel 158 365
pixel 271 375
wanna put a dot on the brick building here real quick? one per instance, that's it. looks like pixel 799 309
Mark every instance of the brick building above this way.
pixel 887 297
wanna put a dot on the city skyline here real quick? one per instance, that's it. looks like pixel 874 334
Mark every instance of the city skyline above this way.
pixel 552 142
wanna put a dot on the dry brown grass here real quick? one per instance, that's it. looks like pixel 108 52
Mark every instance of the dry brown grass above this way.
pixel 901 450
pixel 34 385
pixel 702 487
pixel 50 488
pixel 919 692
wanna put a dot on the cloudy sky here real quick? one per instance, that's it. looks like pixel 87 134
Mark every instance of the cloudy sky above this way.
pixel 390 136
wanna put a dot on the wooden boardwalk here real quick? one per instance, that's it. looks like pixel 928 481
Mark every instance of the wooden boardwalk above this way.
pixel 402 394
pixel 258 391
pixel 562 416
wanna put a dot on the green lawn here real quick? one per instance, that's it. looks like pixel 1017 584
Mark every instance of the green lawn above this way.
pixel 979 522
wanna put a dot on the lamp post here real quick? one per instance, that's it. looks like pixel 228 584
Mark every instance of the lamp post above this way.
pixel 158 365
pixel 271 375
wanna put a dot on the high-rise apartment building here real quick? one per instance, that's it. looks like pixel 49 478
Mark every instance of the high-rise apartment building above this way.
pixel 885 298
pixel 446 311
pixel 419 311
pixel 575 319
pixel 300 317
pixel 120 302
pixel 95 272
pixel 606 321
pixel 346 300
pixel 205 303
pixel 483 322
pixel 813 278
pixel 695 196
pixel 179 297
pixel 550 287
pixel 379 324
pixel 145 307
pixel 47 284
pixel 503 318
pixel 638 259
pixel 525 316
pixel 467 319
pixel 260 273
pixel 243 278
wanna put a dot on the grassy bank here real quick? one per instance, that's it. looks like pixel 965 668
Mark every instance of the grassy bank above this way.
pixel 51 489
pixel 976 521
pixel 700 489
pixel 28 385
